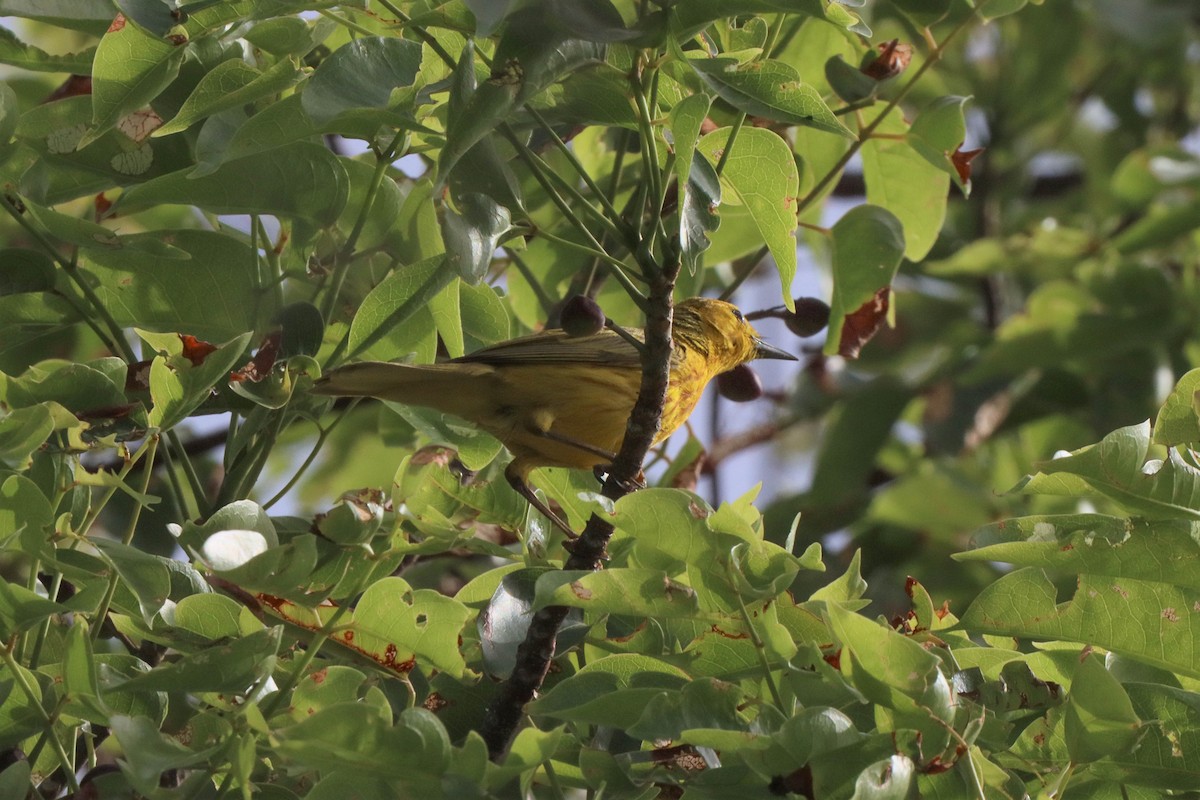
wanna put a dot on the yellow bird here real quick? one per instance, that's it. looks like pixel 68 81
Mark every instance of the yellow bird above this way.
pixel 560 401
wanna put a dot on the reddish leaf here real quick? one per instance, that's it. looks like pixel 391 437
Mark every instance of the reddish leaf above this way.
pixel 893 59
pixel 259 366
pixel 73 86
pixel 102 204
pixel 106 412
pixel 961 159
pixel 117 24
pixel 863 324
pixel 195 350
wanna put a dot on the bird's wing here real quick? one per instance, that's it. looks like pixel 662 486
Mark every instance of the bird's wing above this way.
pixel 556 347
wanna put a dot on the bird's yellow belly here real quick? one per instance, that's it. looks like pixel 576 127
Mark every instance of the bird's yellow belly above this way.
pixel 591 405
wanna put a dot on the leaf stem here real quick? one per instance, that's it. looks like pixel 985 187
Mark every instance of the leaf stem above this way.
pixel 543 299
pixel 26 688
pixel 383 159
pixel 573 160
pixel 760 649
pixel 532 162
pixel 130 529
pixel 312 455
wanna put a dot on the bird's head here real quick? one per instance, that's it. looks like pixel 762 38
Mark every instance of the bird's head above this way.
pixel 718 330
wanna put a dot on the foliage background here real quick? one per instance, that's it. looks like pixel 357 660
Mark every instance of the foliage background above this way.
pixel 247 171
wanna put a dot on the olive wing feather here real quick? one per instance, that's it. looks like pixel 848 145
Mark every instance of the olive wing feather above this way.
pixel 556 347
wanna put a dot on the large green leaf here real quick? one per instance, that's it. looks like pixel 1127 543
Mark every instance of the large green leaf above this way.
pixel 902 181
pixel 401 295
pixel 296 180
pixel 130 69
pixel 363 74
pixel 868 243
pixel 1151 550
pixel 770 89
pixel 212 295
pixel 1146 620
pixel 1120 469
pixel 230 84
pixel 761 175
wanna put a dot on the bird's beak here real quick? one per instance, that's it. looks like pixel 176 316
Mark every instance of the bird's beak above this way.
pixel 764 350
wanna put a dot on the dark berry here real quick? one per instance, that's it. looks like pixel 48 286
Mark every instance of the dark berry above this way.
pixel 740 384
pixel 810 318
pixel 582 316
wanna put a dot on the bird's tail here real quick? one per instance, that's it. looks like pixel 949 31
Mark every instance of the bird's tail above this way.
pixel 445 387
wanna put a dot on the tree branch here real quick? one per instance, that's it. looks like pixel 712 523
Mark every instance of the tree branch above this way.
pixel 507 708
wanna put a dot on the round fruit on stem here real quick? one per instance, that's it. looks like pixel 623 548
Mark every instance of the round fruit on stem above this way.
pixel 582 316
pixel 740 384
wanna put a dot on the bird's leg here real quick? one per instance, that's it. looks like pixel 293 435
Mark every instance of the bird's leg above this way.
pixel 517 481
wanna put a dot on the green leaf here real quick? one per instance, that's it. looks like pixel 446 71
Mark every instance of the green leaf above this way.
pixel 92 236
pixel 771 89
pixel 230 135
pixel 635 592
pixel 700 195
pixel 230 84
pixel 232 667
pixel 884 666
pixel 25 271
pixel 22 433
pixel 1118 468
pixel 149 753
pixel 18 54
pixel 472 233
pixel 77 387
pixel 529 58
pixel 395 624
pixel 1151 550
pixel 177 385
pixel 210 615
pixel 850 83
pixel 704 706
pixel 130 69
pixel 761 175
pixel 1159 228
pixel 355 736
pixel 22 503
pixel 284 36
pixel 1099 719
pixel 333 685
pixel 146 575
pixel 868 244
pixel 1145 620
pixel 938 131
pixel 612 691
pixel 88 16
pixel 301 329
pixel 14 780
pixel 401 295
pixel 900 180
pixel 19 715
pixel 212 296
pixel 504 622
pixel 361 74
pixel 484 316
pixel 1178 421
pixel 296 180
pixel 79 664
pixel 21 609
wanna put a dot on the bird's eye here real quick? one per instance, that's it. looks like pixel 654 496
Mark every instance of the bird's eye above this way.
pixel 739 316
